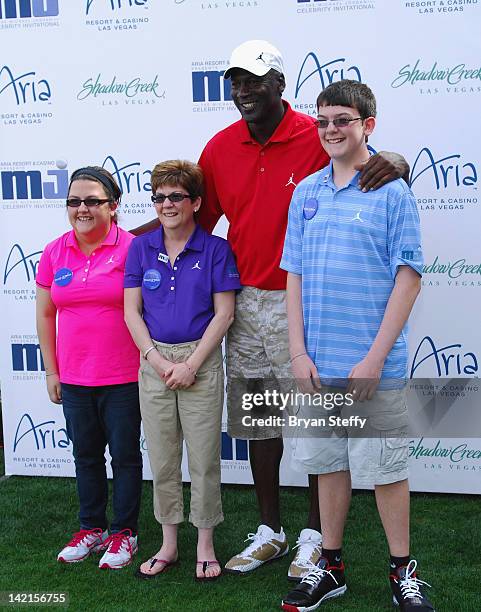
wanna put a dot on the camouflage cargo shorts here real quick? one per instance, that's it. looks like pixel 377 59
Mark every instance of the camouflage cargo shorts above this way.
pixel 257 361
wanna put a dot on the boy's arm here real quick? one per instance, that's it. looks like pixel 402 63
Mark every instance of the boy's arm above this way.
pixel 303 368
pixel 368 371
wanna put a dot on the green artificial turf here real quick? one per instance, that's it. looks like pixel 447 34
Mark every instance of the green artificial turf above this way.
pixel 38 515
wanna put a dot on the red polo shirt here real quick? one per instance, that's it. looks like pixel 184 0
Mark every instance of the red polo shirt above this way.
pixel 252 185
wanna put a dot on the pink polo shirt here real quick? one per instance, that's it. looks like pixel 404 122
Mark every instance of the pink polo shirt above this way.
pixel 94 346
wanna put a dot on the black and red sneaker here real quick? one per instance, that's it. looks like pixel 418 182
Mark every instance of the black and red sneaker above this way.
pixel 322 582
pixel 407 589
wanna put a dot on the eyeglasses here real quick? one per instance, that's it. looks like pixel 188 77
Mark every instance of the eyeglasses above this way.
pixel 89 202
pixel 175 197
pixel 340 122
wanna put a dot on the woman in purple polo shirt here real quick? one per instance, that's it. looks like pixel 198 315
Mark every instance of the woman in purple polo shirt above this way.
pixel 180 287
pixel 91 365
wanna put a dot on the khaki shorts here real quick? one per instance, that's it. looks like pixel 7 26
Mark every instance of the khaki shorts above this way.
pixel 257 360
pixel 375 454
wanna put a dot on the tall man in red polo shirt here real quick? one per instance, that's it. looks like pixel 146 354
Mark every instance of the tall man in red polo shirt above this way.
pixel 251 169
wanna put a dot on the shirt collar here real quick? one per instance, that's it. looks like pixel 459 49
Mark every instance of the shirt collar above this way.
pixel 282 132
pixel 326 179
pixel 194 243
pixel 111 239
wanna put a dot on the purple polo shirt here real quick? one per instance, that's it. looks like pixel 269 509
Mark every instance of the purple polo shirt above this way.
pixel 178 300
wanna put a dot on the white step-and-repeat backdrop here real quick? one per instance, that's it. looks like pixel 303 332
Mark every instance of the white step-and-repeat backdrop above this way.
pixel 127 83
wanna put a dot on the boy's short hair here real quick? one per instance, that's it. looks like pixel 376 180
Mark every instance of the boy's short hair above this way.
pixel 349 93
pixel 180 172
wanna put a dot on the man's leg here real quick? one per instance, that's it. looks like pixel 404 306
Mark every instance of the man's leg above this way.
pixel 248 370
pixel 265 459
pixel 314 517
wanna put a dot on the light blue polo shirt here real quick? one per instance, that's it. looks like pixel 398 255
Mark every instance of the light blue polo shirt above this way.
pixel 348 245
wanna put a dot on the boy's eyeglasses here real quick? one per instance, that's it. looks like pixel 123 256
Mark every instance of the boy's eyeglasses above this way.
pixel 340 122
pixel 89 202
pixel 175 197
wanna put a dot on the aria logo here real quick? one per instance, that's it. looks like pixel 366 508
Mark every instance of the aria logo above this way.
pixel 113 5
pixel 22 89
pixel 448 171
pixel 324 73
pixel 450 360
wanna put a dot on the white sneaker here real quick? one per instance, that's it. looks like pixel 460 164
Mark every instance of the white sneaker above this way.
pixel 83 543
pixel 122 546
pixel 266 545
pixel 309 549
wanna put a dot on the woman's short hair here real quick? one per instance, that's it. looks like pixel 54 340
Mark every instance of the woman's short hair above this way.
pixel 180 172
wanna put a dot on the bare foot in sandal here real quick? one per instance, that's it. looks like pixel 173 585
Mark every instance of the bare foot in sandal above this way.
pixel 157 564
pixel 208 570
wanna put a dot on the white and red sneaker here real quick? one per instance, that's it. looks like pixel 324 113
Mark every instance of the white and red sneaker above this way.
pixel 122 546
pixel 83 543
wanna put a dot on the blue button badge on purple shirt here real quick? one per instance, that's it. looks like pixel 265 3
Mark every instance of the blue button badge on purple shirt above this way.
pixel 152 279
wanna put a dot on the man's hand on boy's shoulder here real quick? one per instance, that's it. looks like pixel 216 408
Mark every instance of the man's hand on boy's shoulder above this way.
pixel 382 168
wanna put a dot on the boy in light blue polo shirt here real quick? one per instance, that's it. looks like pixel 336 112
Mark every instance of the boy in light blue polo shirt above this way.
pixel 354 261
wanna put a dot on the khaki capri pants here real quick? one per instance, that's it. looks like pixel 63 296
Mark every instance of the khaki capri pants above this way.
pixel 193 414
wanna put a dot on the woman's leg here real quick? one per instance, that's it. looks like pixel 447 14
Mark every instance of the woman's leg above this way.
pixel 200 413
pixel 84 428
pixel 120 414
pixel 166 555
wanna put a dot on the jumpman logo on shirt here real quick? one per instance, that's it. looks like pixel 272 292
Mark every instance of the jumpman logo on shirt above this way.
pixel 111 260
pixel 357 217
pixel 291 181
pixel 196 266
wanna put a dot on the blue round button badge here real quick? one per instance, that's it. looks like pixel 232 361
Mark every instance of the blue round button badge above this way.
pixel 152 279
pixel 310 208
pixel 63 277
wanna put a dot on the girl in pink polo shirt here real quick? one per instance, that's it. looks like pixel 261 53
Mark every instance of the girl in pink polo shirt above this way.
pixel 91 365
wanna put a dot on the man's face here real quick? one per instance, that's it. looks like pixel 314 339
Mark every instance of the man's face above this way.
pixel 256 97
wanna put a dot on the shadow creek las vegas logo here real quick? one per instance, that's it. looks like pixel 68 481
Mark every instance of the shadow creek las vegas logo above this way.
pixel 430 77
pixel 439 7
pixel 307 7
pixel 116 15
pixel 25 14
pixel 113 90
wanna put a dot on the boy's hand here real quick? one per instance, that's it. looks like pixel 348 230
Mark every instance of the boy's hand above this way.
pixel 306 375
pixel 382 168
pixel 364 379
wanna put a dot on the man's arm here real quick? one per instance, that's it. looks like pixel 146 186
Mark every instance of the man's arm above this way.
pixel 382 168
pixel 401 301
pixel 147 227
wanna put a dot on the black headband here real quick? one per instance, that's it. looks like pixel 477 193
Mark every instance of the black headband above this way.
pixel 109 185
